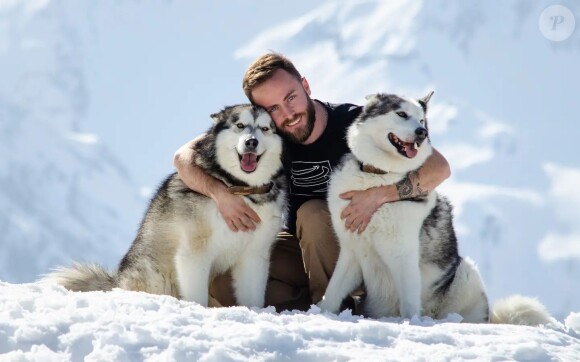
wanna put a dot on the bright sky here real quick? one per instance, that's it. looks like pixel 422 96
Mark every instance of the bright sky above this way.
pixel 155 75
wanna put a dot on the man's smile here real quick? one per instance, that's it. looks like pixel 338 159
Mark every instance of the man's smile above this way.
pixel 294 123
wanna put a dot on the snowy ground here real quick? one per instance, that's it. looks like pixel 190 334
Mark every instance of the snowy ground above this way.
pixel 47 323
pixel 96 96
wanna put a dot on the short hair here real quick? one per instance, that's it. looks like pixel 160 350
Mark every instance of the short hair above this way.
pixel 263 68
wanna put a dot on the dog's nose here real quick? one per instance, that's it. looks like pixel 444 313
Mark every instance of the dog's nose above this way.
pixel 251 143
pixel 421 133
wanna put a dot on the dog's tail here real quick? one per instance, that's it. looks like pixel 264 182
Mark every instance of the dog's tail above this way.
pixel 83 278
pixel 520 310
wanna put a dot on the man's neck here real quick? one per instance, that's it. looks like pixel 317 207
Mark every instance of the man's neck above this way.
pixel 320 121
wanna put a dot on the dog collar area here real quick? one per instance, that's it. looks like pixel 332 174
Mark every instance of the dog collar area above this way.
pixel 371 169
pixel 250 190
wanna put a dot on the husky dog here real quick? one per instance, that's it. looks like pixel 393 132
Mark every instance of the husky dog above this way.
pixel 408 255
pixel 183 241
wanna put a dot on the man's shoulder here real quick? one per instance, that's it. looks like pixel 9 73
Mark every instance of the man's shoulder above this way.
pixel 341 115
pixel 347 111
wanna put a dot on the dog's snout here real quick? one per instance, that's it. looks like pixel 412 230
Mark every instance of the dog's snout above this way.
pixel 251 143
pixel 421 133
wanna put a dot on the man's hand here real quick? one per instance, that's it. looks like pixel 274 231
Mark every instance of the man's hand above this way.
pixel 363 204
pixel 237 214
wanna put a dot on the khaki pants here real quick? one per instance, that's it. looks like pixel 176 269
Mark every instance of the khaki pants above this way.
pixel 300 266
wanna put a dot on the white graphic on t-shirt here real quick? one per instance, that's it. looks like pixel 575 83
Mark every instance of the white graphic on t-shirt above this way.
pixel 309 178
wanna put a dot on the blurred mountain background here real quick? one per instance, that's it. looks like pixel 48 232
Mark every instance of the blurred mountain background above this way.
pixel 95 97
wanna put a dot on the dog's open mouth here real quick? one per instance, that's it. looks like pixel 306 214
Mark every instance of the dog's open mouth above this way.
pixel 249 161
pixel 407 149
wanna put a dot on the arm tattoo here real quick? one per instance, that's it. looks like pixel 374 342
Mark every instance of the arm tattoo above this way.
pixel 410 186
pixel 405 187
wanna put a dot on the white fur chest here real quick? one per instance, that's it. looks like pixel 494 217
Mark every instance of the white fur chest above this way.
pixel 227 246
pixel 391 221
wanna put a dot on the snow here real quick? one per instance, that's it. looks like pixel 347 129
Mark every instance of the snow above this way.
pixel 565 244
pixel 44 322
pixel 53 174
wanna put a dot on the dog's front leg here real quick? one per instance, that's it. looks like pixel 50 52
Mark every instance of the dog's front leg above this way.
pixel 408 285
pixel 346 277
pixel 250 276
pixel 404 265
pixel 193 271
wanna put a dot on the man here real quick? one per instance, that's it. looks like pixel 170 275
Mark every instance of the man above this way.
pixel 306 251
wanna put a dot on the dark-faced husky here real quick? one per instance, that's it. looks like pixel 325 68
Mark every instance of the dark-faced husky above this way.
pixel 408 254
pixel 183 241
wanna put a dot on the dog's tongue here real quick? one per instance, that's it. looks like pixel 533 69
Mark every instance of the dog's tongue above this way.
pixel 249 162
pixel 410 150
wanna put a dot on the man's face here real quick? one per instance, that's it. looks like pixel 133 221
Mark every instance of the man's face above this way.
pixel 288 102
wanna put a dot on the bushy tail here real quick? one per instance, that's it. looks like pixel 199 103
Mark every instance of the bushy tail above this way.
pixel 520 310
pixel 83 278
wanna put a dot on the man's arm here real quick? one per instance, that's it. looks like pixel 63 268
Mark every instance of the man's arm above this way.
pixel 237 214
pixel 431 174
pixel 363 204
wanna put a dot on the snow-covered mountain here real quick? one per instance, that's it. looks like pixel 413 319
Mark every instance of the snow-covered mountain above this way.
pixel 63 195
pixel 502 114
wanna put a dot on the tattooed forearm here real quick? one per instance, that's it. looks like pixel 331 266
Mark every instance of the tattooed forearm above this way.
pixel 405 187
pixel 410 186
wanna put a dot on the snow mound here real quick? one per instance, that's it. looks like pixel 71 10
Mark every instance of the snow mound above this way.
pixel 573 322
pixel 46 322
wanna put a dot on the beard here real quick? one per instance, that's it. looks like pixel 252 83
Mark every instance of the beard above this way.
pixel 301 134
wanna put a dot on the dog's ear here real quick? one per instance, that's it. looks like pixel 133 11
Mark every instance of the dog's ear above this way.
pixel 372 100
pixel 425 100
pixel 215 117
pixel 222 115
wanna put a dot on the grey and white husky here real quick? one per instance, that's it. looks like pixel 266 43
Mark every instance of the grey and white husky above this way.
pixel 408 255
pixel 183 241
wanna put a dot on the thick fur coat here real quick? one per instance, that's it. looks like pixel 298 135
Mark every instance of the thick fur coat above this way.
pixel 408 255
pixel 183 241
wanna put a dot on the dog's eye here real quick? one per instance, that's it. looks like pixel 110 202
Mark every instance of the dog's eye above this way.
pixel 403 115
pixel 265 129
pixel 240 125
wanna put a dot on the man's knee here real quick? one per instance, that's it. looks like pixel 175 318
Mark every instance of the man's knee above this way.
pixel 313 222
pixel 313 211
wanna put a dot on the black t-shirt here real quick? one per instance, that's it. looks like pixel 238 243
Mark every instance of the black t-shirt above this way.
pixel 308 167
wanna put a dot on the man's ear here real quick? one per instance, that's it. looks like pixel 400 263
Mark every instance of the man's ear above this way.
pixel 425 100
pixel 306 85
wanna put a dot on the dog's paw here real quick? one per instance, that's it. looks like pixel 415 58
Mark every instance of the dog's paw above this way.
pixel 326 306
